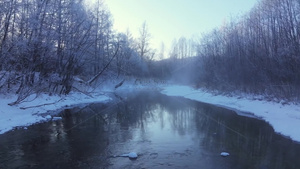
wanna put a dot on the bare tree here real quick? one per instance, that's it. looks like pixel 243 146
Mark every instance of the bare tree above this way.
pixel 162 51
pixel 143 43
pixel 259 52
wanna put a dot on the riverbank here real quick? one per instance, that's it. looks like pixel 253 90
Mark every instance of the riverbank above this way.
pixel 32 110
pixel 35 107
pixel 285 119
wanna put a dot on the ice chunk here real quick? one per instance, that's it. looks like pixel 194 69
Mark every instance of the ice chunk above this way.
pixel 132 155
pixel 224 154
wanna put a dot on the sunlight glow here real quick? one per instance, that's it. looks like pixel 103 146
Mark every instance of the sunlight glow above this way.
pixel 172 19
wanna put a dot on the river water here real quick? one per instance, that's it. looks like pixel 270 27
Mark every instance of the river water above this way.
pixel 165 132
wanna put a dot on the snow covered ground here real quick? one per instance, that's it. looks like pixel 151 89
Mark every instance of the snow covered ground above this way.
pixel 32 110
pixel 285 119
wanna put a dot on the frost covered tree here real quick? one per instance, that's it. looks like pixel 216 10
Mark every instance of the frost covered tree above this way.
pixel 161 54
pixel 143 43
pixel 45 43
pixel 182 48
pixel 259 52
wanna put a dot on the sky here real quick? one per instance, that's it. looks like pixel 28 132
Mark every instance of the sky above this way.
pixel 171 19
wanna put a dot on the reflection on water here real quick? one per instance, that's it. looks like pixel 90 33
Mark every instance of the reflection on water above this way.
pixel 166 133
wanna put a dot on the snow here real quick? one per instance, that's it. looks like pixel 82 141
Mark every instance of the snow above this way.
pixel 31 111
pixel 285 119
pixel 48 117
pixel 57 118
pixel 34 108
pixel 131 155
pixel 224 154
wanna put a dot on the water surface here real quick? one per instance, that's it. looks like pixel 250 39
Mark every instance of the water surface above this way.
pixel 166 132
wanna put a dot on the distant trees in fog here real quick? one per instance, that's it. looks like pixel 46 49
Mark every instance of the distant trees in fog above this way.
pixel 257 53
pixel 182 48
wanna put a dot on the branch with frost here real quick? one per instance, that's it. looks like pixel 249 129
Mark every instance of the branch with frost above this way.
pixel 41 105
pixel 106 66
pixel 83 92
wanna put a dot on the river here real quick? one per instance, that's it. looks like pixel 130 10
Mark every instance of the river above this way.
pixel 165 132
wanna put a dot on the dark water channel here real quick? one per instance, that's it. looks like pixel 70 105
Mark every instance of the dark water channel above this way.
pixel 166 132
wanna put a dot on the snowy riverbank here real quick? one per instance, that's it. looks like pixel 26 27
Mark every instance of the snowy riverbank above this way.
pixel 34 108
pixel 285 119
pixel 31 111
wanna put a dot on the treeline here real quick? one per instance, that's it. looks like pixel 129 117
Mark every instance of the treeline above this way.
pixel 45 43
pixel 258 53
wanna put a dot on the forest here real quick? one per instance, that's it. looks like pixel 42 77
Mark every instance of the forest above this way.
pixel 47 45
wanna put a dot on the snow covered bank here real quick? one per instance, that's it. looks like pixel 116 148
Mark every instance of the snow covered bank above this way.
pixel 30 111
pixel 33 109
pixel 285 119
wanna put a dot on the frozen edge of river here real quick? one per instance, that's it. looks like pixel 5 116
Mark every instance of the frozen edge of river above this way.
pixel 285 119
pixel 36 107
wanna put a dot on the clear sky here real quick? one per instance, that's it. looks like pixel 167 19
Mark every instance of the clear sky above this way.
pixel 170 19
